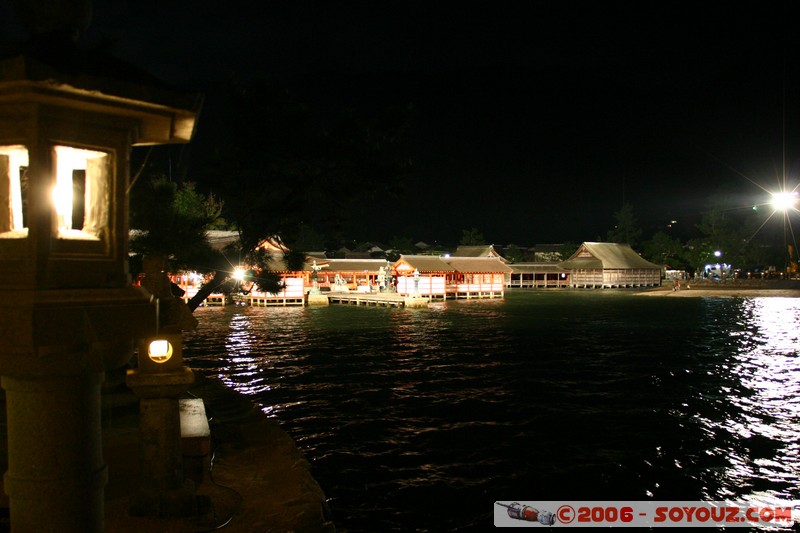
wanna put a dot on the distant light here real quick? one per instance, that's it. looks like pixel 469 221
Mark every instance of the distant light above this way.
pixel 447 256
pixel 238 274
pixel 783 201
pixel 717 253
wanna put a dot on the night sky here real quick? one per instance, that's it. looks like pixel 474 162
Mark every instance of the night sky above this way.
pixel 534 121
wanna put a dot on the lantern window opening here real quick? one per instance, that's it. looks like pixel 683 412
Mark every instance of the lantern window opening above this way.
pixel 13 191
pixel 80 192
pixel 159 350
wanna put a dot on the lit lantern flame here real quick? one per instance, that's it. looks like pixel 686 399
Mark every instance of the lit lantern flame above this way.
pixel 160 350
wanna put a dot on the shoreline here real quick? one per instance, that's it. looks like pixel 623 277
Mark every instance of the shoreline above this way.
pixel 785 289
pixel 254 478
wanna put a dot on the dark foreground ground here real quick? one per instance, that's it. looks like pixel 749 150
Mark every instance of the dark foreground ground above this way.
pixel 254 480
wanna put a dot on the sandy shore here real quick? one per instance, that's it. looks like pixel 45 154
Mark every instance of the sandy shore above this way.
pixel 734 290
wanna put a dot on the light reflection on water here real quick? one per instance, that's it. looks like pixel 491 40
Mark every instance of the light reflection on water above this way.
pixel 768 418
pixel 595 395
pixel 242 369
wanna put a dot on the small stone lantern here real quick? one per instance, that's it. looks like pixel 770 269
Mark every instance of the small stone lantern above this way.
pixel 161 377
pixel 164 491
pixel 69 311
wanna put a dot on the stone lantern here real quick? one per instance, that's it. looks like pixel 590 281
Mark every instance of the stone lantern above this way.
pixel 69 311
pixel 160 378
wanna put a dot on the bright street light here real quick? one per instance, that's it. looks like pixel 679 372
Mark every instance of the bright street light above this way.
pixel 783 201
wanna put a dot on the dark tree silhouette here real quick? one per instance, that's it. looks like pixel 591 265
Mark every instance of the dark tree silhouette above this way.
pixel 282 171
pixel 283 168
pixel 626 230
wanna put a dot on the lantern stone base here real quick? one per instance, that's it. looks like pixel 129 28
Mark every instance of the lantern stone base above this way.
pixel 176 502
pixel 54 346
pixel 164 491
pixel 56 472
pixel 271 481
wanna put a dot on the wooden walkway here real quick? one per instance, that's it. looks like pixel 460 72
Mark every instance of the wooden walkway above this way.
pixel 275 301
pixel 377 299
pixel 216 300
pixel 220 300
pixel 381 299
pixel 373 299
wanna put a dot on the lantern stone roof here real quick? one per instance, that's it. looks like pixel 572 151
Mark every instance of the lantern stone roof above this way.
pixel 606 255
pixel 101 84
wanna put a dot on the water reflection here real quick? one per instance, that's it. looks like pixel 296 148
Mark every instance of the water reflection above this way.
pixel 239 369
pixel 544 395
pixel 762 410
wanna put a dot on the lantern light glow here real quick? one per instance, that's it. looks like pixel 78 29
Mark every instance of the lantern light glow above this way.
pixel 68 160
pixel 159 350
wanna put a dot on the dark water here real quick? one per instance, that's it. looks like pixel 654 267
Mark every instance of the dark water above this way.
pixel 420 419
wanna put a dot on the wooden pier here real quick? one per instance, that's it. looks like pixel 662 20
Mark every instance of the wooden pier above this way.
pixel 220 300
pixel 216 300
pixel 376 299
pixel 369 299
pixel 275 301
pixel 364 298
